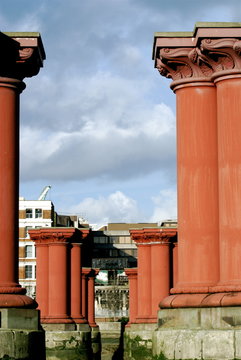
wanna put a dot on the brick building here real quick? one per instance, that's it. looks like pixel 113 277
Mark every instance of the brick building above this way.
pixel 33 214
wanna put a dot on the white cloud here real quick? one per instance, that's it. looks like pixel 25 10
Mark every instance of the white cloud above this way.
pixel 116 207
pixel 103 127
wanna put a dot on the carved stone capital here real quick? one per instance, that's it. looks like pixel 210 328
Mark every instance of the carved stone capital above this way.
pixel 56 236
pixel 222 54
pixel 22 55
pixel 151 236
pixel 181 63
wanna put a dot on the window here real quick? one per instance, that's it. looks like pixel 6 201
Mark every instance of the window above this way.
pixel 28 272
pixel 29 213
pixel 38 213
pixel 28 251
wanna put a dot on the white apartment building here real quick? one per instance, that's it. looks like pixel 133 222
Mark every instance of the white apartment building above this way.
pixel 32 214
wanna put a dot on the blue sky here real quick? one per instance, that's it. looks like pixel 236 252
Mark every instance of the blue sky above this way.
pixel 98 122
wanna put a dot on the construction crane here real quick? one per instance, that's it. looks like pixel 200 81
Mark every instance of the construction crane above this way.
pixel 44 193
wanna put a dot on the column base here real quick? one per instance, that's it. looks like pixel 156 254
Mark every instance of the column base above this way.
pixel 198 333
pixel 57 320
pixel 79 320
pixel 20 335
pixel 214 299
pixel 138 341
pixel 68 344
pixel 17 301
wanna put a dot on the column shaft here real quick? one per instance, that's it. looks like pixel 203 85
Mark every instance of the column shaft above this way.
pixel 144 282
pixel 160 275
pixel 84 295
pixel 9 167
pixel 91 299
pixel 175 264
pixel 58 283
pixel 42 276
pixel 11 293
pixel 229 135
pixel 133 299
pixel 76 284
pixel 198 260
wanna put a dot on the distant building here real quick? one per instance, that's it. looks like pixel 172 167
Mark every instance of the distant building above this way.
pixel 32 214
pixel 114 250
pixel 110 249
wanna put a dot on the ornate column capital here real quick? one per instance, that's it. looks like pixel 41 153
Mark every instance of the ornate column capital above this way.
pixel 149 236
pixel 180 63
pixel 222 54
pixel 56 235
pixel 22 54
pixel 210 51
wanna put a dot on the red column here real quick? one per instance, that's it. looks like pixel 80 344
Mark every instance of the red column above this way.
pixel 58 282
pixel 14 67
pixel 224 55
pixel 133 297
pixel 229 135
pixel 197 187
pixel 85 271
pixel 160 265
pixel 42 276
pixel 175 263
pixel 76 284
pixel 91 296
pixel 9 150
pixel 144 281
pixel 144 289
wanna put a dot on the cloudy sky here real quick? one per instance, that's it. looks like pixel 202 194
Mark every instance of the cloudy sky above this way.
pixel 98 122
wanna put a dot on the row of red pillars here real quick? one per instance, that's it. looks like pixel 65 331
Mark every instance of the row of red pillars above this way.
pixel 150 282
pixel 64 289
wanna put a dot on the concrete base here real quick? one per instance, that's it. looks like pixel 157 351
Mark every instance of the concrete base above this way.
pixel 71 345
pixel 111 340
pixel 138 341
pixel 20 335
pixel 198 333
pixel 95 343
pixel 22 345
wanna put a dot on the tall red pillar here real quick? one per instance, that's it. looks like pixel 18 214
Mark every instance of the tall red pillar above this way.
pixel 144 305
pixel 76 284
pixel 229 134
pixel 197 168
pixel 22 56
pixel 88 295
pixel 84 291
pixel 161 271
pixel 224 53
pixel 91 297
pixel 42 274
pixel 58 280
